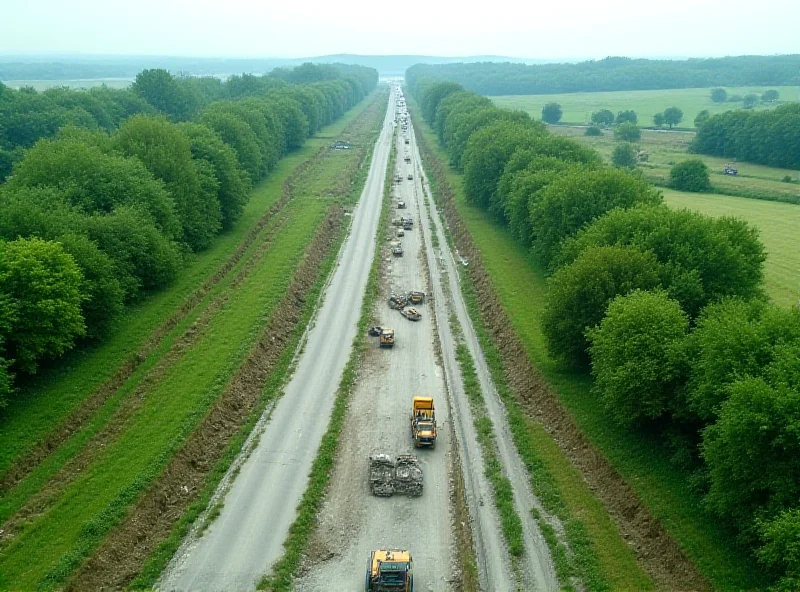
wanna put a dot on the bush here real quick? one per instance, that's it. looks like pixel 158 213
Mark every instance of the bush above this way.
pixel 780 549
pixel 624 156
pixel 551 113
pixel 593 131
pixel 574 200
pixel 637 355
pixel 787 179
pixel 580 292
pixel 719 95
pixel 627 132
pixel 690 175
pixel 42 283
pixel 749 101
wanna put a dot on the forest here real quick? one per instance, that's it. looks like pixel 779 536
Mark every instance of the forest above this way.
pixel 770 137
pixel 664 308
pixel 613 74
pixel 107 192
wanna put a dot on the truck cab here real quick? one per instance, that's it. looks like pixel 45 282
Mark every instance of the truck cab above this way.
pixel 423 422
pixel 389 570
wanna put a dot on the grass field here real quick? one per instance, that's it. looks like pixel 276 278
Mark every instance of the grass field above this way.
pixel 578 107
pixel 521 287
pixel 79 83
pixel 779 225
pixel 74 511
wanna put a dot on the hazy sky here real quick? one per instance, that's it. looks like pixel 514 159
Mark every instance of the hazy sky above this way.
pixel 287 28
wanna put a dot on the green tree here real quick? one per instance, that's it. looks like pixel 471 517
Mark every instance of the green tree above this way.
pixel 719 95
pixel 701 118
pixel 159 88
pixel 658 119
pixel 672 116
pixel 753 450
pixel 627 116
pixel 637 355
pixel 593 131
pixel 627 132
pixel 43 283
pixel 551 113
pixel 750 100
pixel 604 117
pixel 238 135
pixel 579 294
pixel 574 200
pixel 690 175
pixel 166 152
pixel 624 156
pixel 780 549
pixel 234 183
pixel 770 96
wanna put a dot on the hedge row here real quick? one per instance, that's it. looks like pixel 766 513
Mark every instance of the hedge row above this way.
pixel 95 216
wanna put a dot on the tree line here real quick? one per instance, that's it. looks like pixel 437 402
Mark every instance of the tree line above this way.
pixel 769 137
pixel 613 74
pixel 665 308
pixel 112 190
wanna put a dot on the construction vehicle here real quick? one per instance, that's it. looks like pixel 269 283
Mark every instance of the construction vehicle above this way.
pixel 408 141
pixel 397 249
pixel 401 205
pixel 375 331
pixel 407 159
pixel 416 297
pixel 423 422
pixel 408 224
pixel 397 301
pixel 400 232
pixel 410 177
pixel 412 314
pixel 730 170
pixel 389 570
pixel 386 338
pixel 397 221
pixel 381 475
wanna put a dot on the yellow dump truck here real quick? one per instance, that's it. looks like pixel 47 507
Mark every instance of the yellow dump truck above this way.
pixel 423 422
pixel 387 337
pixel 389 570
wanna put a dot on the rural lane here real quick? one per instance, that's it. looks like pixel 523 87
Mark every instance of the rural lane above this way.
pixel 246 539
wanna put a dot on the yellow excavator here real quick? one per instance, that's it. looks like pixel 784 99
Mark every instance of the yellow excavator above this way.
pixel 389 570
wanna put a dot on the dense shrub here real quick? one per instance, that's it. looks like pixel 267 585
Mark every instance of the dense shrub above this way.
pixel 579 294
pixel 593 131
pixel 690 175
pixel 627 132
pixel 623 156
pixel 637 355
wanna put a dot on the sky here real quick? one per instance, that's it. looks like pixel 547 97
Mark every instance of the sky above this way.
pixel 566 29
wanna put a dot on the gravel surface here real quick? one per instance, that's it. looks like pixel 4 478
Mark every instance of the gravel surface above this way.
pixel 247 537
pixel 352 521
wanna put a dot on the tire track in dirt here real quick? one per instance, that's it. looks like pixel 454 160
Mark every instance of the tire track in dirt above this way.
pixel 655 549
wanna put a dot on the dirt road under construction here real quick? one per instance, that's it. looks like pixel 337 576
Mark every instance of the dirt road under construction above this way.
pixel 246 539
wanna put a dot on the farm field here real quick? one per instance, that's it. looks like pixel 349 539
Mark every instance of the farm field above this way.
pixel 521 287
pixel 779 226
pixel 665 149
pixel 578 107
pixel 65 501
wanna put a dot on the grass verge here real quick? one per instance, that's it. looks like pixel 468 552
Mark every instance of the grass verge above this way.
pixel 282 574
pixel 642 463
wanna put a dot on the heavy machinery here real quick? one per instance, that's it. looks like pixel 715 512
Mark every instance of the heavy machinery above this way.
pixel 408 224
pixel 397 301
pixel 389 570
pixel 401 205
pixel 730 170
pixel 416 297
pixel 423 422
pixel 397 250
pixel 407 159
pixel 381 475
pixel 410 177
pixel 386 338
pixel 411 313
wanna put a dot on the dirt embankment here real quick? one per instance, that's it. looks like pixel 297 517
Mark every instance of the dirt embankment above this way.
pixel 656 550
pixel 120 557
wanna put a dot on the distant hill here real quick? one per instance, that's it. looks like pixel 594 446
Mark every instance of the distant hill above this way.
pixel 72 67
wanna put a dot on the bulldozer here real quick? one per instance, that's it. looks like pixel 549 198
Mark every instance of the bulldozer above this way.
pixel 389 570
pixel 423 422
pixel 386 338
pixel 416 297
